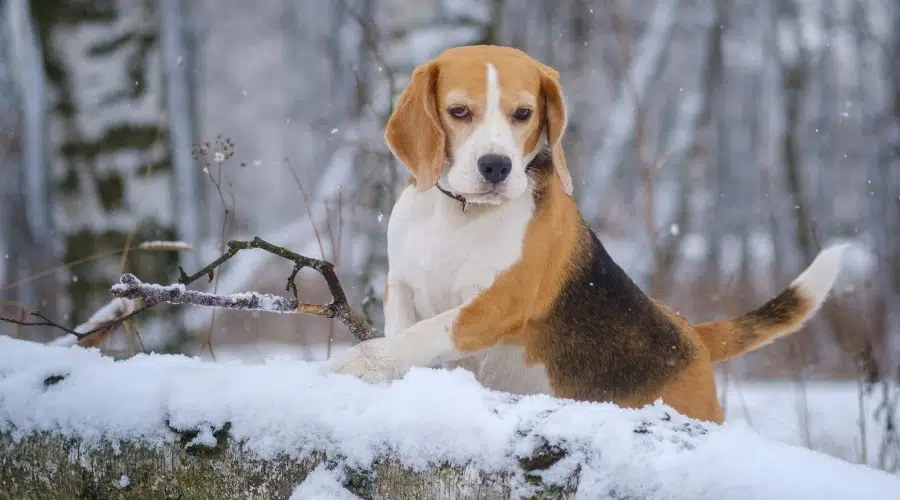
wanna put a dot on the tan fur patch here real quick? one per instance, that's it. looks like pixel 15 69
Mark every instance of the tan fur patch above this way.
pixel 734 337
pixel 529 288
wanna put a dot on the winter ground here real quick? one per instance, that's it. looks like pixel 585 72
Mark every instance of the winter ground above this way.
pixel 287 406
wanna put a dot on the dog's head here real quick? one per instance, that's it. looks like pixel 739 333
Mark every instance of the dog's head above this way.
pixel 474 117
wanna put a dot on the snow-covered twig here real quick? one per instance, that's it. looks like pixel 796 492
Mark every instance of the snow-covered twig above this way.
pixel 79 332
pixel 130 288
pixel 104 319
pixel 338 308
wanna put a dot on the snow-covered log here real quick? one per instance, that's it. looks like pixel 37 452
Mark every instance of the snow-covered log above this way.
pixel 76 424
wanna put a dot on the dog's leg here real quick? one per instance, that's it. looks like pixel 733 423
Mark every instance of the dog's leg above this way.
pixel 425 343
pixel 487 317
pixel 399 309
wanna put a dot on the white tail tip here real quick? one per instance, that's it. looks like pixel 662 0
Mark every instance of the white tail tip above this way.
pixel 816 281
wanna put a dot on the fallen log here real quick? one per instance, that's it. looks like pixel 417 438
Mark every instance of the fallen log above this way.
pixel 78 425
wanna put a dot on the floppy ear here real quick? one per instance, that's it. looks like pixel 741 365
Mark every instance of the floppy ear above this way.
pixel 556 124
pixel 414 132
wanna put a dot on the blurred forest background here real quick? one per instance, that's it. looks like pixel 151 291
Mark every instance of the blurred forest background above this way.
pixel 715 146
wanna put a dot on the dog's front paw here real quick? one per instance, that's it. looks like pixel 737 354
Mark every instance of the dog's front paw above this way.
pixel 372 361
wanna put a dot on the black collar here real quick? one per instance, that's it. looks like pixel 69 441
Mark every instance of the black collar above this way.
pixel 452 195
pixel 541 159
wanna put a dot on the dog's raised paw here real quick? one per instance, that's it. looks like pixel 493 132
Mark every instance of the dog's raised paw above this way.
pixel 372 361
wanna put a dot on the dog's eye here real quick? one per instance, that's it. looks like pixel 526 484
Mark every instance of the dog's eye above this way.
pixel 459 112
pixel 522 114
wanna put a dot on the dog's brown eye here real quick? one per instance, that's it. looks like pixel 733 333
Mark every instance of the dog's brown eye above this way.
pixel 522 114
pixel 459 112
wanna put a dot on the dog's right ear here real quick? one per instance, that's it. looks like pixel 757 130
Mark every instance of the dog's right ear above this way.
pixel 414 132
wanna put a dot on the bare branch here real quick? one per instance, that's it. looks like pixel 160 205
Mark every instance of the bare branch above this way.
pixel 130 288
pixel 338 308
pixel 105 327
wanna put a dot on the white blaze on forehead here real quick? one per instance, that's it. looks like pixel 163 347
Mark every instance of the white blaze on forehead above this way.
pixel 492 96
pixel 495 129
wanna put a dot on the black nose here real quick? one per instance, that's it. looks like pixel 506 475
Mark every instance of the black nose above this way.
pixel 494 168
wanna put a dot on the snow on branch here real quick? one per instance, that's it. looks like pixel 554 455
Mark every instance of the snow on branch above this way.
pixel 169 426
pixel 104 319
pixel 338 308
pixel 131 290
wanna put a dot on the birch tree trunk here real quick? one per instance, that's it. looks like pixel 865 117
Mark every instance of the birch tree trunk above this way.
pixel 179 119
pixel 37 233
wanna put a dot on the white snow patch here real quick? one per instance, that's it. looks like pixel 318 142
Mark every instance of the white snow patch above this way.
pixel 322 484
pixel 123 482
pixel 831 417
pixel 166 245
pixel 430 416
pixel 111 311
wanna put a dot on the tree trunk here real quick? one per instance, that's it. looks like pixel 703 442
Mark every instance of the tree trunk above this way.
pixel 51 466
pixel 36 244
pixel 174 55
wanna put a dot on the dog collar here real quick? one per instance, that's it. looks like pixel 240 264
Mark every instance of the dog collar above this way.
pixel 453 196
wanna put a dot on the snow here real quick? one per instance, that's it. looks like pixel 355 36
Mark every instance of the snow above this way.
pixel 114 309
pixel 322 484
pixel 431 416
pixel 824 416
pixel 166 245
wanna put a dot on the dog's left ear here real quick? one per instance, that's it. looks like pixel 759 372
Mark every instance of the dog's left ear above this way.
pixel 556 124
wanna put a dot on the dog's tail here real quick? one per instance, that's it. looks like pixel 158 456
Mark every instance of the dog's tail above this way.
pixel 778 317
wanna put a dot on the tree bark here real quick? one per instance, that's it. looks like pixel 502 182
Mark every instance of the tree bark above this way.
pixel 51 466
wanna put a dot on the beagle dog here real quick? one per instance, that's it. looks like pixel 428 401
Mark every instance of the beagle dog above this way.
pixel 492 267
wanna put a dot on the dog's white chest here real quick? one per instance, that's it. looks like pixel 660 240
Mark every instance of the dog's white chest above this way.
pixel 445 255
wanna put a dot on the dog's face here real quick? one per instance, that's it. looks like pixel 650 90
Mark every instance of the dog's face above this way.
pixel 474 117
